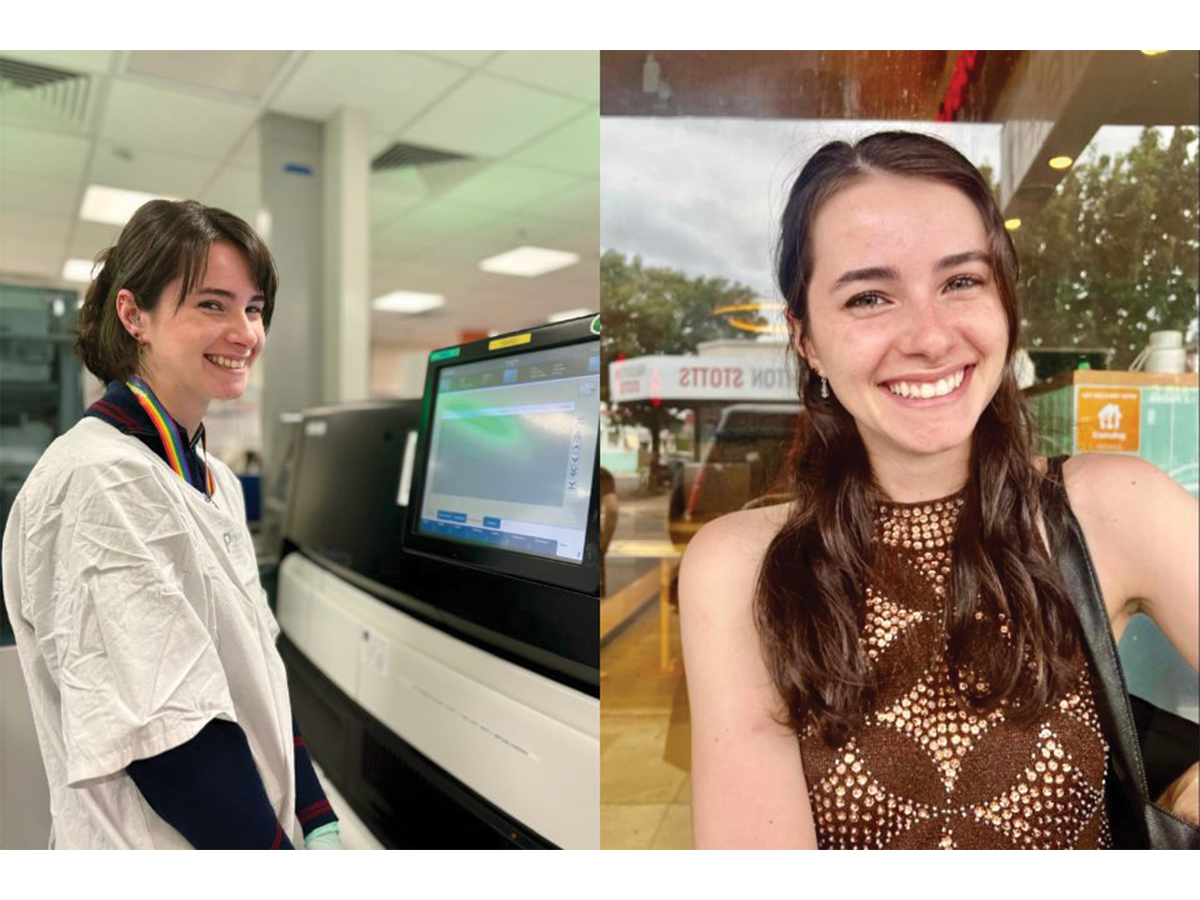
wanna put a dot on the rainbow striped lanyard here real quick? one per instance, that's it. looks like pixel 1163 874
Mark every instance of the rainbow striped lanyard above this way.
pixel 168 433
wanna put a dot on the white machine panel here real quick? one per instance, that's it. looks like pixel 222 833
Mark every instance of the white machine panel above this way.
pixel 528 744
pixel 324 632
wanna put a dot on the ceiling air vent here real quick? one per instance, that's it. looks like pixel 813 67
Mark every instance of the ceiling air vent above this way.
pixel 46 89
pixel 404 156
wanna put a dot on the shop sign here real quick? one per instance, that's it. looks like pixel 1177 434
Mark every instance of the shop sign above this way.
pixel 677 379
pixel 1107 419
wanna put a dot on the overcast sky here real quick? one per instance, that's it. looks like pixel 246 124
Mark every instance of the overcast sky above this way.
pixel 704 195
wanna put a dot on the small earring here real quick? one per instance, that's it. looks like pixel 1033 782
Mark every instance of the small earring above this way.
pixel 824 388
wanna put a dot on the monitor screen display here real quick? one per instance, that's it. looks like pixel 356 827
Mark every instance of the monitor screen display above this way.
pixel 512 452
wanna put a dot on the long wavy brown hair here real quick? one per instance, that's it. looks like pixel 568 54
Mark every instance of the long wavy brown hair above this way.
pixel 809 607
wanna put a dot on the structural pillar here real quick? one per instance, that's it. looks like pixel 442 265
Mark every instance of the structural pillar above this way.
pixel 316 219
pixel 292 168
pixel 347 257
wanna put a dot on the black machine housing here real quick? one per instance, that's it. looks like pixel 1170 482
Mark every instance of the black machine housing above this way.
pixel 344 512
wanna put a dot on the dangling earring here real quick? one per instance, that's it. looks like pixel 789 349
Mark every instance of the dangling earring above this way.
pixel 824 388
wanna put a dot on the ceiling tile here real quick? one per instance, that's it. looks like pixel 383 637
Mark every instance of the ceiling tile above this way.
pixel 573 148
pixel 116 165
pixel 236 191
pixel 31 258
pixel 480 301
pixel 248 153
pixel 245 73
pixel 508 186
pixel 89 238
pixel 32 193
pixel 465 251
pixel 413 275
pixel 145 117
pixel 59 156
pixel 574 72
pixel 428 181
pixel 430 224
pixel 34 226
pixel 490 117
pixel 579 204
pixel 389 85
pixel 403 182
pixel 388 205
pixel 469 58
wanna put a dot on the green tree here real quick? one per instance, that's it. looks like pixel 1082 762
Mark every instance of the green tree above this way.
pixel 648 311
pixel 1113 254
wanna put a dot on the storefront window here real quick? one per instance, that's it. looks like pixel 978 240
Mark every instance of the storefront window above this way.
pixel 700 396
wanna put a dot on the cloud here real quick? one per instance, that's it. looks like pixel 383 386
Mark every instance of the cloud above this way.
pixel 704 195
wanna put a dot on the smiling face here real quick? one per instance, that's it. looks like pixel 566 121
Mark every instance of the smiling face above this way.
pixel 202 350
pixel 905 317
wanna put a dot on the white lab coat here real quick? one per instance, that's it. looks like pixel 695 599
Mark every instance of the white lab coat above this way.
pixel 139 618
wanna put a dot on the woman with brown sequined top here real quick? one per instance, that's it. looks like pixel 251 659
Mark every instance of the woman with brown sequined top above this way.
pixel 891 659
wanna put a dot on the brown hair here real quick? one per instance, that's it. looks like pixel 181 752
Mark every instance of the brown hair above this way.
pixel 809 605
pixel 163 241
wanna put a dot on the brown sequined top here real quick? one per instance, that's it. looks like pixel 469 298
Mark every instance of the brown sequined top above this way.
pixel 921 772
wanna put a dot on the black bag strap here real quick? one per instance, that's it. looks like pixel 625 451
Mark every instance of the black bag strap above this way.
pixel 1079 575
pixel 1144 824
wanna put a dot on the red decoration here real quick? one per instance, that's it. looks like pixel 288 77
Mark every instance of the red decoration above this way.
pixel 956 93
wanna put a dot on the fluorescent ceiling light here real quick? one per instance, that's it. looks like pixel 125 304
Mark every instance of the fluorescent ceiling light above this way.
pixel 113 206
pixel 569 314
pixel 529 262
pixel 409 302
pixel 79 270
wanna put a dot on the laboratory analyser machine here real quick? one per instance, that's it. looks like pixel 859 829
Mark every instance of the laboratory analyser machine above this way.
pixel 438 596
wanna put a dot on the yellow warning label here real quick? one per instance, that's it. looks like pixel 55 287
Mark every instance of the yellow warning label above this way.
pixel 1107 419
pixel 511 341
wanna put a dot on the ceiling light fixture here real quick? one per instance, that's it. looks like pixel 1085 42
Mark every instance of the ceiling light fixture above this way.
pixel 79 270
pixel 1061 162
pixel 529 262
pixel 569 314
pixel 1012 224
pixel 408 302
pixel 113 206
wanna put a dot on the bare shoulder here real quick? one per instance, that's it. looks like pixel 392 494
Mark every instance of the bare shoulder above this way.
pixel 717 585
pixel 748 786
pixel 1111 491
pixel 722 561
pixel 1143 530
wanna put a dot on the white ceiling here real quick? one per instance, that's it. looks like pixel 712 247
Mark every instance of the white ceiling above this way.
pixel 185 124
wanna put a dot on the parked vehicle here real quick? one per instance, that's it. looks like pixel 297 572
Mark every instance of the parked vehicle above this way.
pixel 744 463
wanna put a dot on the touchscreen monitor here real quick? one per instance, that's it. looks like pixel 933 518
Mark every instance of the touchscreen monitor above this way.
pixel 508 453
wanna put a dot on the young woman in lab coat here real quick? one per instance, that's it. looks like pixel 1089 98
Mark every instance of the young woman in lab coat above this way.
pixel 160 701
pixel 891 659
